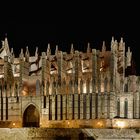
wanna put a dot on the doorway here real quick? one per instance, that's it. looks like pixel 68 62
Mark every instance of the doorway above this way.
pixel 31 117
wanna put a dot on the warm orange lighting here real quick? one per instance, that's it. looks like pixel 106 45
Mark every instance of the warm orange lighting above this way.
pixel 24 93
pixel 99 124
pixel 14 124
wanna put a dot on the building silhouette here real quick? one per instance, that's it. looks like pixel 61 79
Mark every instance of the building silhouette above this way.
pixel 73 89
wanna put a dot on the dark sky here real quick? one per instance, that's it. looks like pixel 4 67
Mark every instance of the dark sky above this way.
pixel 62 23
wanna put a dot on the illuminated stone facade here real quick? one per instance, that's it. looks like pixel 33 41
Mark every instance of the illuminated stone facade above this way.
pixel 67 89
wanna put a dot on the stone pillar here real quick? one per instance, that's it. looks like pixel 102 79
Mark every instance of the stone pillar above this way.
pixel 136 105
pixel 88 106
pixel 1 101
pixel 53 107
pixel 102 105
pixel 53 84
pixel 99 82
pixel 59 107
pixel 81 106
pixel 60 68
pixel 43 69
pixel 67 105
pixel 70 106
pixel 81 86
pixel 76 72
pixel 93 105
pixel 47 87
pixel 47 107
pixel 112 72
pixel 112 104
pixel 96 105
pixel 4 108
pixel 64 110
pixel 94 70
pixel 99 105
pixel 87 86
pixel 6 74
pixel 105 105
pixel 75 106
pixel 21 63
pixel 71 86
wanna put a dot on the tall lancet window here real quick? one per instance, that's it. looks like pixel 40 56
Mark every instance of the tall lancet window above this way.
pixel 37 87
pixel 126 108
pixel 118 107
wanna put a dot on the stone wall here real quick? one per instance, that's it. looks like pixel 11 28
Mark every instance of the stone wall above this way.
pixel 68 134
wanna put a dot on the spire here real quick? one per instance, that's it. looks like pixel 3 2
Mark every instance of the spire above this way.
pixel 121 41
pixel 88 48
pixel 48 50
pixel 129 57
pixel 6 42
pixel 103 47
pixel 21 52
pixel 112 41
pixel 5 51
pixel 72 49
pixel 6 45
pixel 21 55
pixel 114 46
pixel 27 54
pixel 56 50
pixel 12 52
pixel 27 51
pixel 121 44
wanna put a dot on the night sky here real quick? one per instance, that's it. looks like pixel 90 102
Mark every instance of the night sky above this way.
pixel 65 23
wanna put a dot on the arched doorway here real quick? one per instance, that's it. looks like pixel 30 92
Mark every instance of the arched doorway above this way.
pixel 31 117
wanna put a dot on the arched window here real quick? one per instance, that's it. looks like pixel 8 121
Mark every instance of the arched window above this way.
pixel 126 108
pixel 118 107
pixel 37 87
